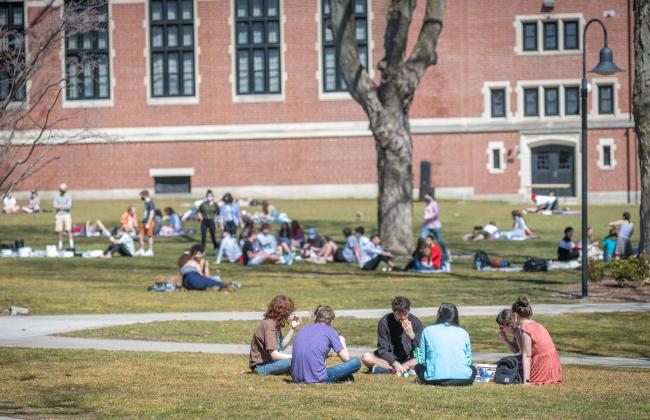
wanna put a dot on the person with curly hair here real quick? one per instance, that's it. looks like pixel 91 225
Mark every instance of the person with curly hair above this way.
pixel 266 357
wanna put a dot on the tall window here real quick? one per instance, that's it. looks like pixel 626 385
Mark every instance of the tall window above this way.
pixel 551 102
pixel 87 61
pixel 258 46
pixel 12 48
pixel 530 36
pixel 571 101
pixel 498 103
pixel 332 80
pixel 607 156
pixel 605 100
pixel 172 47
pixel 530 102
pixel 571 35
pixel 496 158
pixel 550 36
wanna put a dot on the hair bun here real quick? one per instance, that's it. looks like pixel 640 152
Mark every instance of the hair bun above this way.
pixel 523 301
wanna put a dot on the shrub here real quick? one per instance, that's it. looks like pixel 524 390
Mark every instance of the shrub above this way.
pixel 631 269
pixel 595 270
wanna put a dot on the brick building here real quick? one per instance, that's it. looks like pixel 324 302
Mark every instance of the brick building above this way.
pixel 244 96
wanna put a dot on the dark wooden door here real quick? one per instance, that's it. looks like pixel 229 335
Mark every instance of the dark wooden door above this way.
pixel 553 164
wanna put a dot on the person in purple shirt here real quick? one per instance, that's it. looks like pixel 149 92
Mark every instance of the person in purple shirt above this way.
pixel 311 346
pixel 432 222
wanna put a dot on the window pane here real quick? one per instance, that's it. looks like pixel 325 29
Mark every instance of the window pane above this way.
pixel 359 6
pixel 530 37
pixel 330 69
pixel 496 158
pixel 242 33
pixel 571 35
pixel 172 73
pixel 326 7
pixel 329 37
pixel 361 29
pixel 258 71
pixel 605 96
pixel 72 42
pixel 242 76
pixel 530 102
pixel 157 37
pixel 102 40
pixel 498 103
pixel 4 90
pixel 156 11
pixel 258 8
pixel 89 81
pixel 3 16
pixel 188 73
pixel 87 42
pixel 550 36
pixel 258 33
pixel 172 36
pixel 187 10
pixel 73 90
pixel 551 106
pixel 274 70
pixel 103 77
pixel 188 36
pixel 363 56
pixel 158 76
pixel 564 160
pixel 274 33
pixel 103 13
pixel 172 10
pixel 572 101
pixel 274 8
pixel 242 8
pixel 18 16
pixel 543 161
pixel 607 156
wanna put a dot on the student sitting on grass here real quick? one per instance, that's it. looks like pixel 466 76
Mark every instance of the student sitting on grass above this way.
pixel 9 204
pixel 315 243
pixel 332 253
pixel 193 280
pixel 567 250
pixel 251 257
pixel 398 335
pixel 423 257
pixel 297 235
pixel 284 238
pixel 123 245
pixel 230 247
pixel 196 253
pixel 266 241
pixel 609 244
pixel 312 345
pixel 266 357
pixel 519 228
pixel 34 203
pixel 445 352
pixel 541 363
pixel 129 220
pixel 174 222
pixel 372 254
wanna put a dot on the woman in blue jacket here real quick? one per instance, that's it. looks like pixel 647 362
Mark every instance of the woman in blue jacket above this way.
pixel 445 352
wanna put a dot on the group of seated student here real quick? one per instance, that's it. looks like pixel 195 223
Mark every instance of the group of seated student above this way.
pixel 331 252
pixel 519 228
pixel 195 272
pixel 615 246
pixel 539 362
pixel 427 256
pixel 10 206
pixel 252 254
pixel 268 214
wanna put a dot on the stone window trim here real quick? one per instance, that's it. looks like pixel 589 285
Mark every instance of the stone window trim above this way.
pixel 232 50
pixel 487 100
pixel 602 143
pixel 595 100
pixel 540 19
pixel 177 100
pixel 492 146
pixel 542 85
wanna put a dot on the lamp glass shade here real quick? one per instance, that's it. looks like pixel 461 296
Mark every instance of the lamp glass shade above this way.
pixel 606 65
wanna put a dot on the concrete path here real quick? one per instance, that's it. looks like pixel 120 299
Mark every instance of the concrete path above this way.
pixel 53 342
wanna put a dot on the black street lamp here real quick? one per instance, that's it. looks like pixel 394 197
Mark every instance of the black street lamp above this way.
pixel 605 67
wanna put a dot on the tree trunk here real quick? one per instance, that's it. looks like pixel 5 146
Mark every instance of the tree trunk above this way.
pixel 641 103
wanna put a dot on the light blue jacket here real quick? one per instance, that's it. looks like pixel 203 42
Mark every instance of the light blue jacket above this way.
pixel 234 211
pixel 446 351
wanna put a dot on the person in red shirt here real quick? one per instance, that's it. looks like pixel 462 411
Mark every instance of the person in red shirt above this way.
pixel 435 252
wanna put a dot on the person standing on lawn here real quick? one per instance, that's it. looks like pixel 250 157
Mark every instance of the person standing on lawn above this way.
pixel 63 220
pixel 266 357
pixel 146 228
pixel 230 215
pixel 432 222
pixel 208 210
pixel 311 347
pixel 398 335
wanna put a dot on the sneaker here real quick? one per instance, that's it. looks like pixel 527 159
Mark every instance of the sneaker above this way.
pixel 377 370
pixel 312 261
pixel 235 284
pixel 88 234
pixel 349 379
pixel 447 267
pixel 139 252
pixel 288 260
pixel 417 380
pixel 107 233
pixel 148 253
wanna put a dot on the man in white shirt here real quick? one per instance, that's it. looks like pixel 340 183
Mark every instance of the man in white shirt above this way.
pixel 592 247
pixel 9 204
pixel 545 202
pixel 230 247
pixel 372 254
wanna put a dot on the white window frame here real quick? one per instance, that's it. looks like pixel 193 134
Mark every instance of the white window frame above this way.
pixel 487 100
pixel 232 50
pixel 340 96
pixel 602 143
pixel 172 101
pixel 541 85
pixel 492 146
pixel 595 97
pixel 540 20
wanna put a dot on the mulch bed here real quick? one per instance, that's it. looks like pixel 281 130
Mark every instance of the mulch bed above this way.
pixel 608 291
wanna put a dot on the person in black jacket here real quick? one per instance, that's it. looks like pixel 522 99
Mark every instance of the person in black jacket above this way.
pixel 398 335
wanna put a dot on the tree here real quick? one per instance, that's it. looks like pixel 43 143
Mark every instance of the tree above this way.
pixel 34 130
pixel 388 104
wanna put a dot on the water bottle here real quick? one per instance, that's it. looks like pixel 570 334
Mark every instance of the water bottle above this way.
pixel 478 264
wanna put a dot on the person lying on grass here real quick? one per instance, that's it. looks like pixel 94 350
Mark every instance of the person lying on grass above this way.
pixel 332 253
pixel 266 357
pixel 312 345
pixel 445 352
pixel 192 280
pixel 123 245
pixel 398 335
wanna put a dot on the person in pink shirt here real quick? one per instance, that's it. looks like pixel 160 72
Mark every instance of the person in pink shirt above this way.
pixel 432 223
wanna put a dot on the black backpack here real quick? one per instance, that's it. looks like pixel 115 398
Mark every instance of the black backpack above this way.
pixel 507 372
pixel 483 256
pixel 536 265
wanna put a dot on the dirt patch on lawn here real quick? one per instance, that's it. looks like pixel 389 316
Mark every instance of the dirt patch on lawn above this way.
pixel 608 291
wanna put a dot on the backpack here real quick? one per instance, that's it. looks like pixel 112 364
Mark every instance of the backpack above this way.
pixel 483 256
pixel 536 265
pixel 507 371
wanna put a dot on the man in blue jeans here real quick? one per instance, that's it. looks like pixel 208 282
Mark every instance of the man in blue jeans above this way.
pixel 312 345
pixel 432 223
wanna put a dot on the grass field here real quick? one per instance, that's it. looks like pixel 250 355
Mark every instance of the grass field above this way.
pixel 77 286
pixel 61 384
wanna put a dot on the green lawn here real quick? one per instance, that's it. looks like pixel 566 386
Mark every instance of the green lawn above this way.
pixel 37 383
pixel 78 286
pixel 620 334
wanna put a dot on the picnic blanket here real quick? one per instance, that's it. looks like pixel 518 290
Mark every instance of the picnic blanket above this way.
pixel 446 268
pixel 161 235
pixel 502 269
pixel 524 238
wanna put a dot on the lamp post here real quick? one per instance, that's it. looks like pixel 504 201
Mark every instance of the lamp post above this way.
pixel 605 67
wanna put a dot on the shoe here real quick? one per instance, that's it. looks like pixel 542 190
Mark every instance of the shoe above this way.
pixel 417 380
pixel 396 268
pixel 321 260
pixel 88 234
pixel 235 284
pixel 288 260
pixel 311 261
pixel 148 253
pixel 228 289
pixel 349 379
pixel 139 252
pixel 377 370
pixel 107 233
